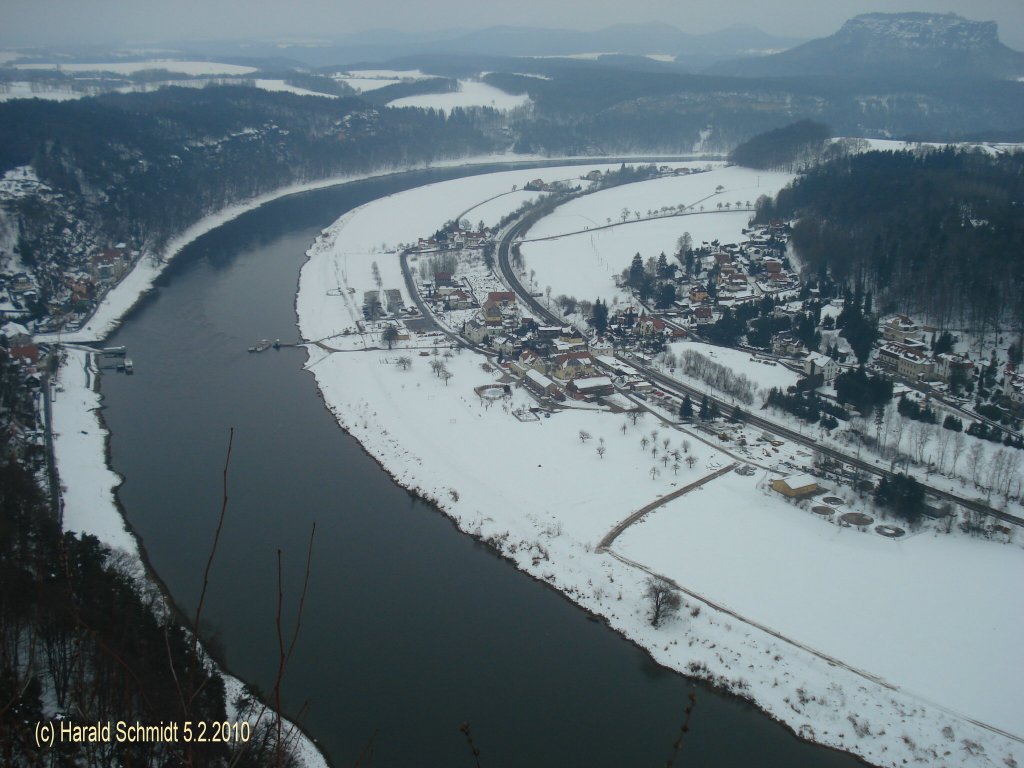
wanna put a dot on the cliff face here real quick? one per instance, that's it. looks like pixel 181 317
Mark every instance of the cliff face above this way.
pixel 895 43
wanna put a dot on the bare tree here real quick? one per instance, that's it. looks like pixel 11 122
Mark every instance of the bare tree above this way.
pixel 920 434
pixel 959 441
pixel 600 451
pixel 584 435
pixel 664 598
pixel 404 362
pixel 974 460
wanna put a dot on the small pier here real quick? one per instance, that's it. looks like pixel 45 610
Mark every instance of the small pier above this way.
pixel 116 358
pixel 264 344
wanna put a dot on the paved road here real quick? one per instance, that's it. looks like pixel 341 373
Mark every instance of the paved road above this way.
pixel 640 513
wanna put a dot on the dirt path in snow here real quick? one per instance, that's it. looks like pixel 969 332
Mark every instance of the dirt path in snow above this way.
pixel 618 529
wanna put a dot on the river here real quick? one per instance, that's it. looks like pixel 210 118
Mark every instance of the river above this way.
pixel 410 628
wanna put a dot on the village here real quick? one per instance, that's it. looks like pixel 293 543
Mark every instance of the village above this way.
pixel 742 297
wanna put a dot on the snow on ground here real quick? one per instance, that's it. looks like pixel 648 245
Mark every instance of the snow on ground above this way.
pixel 131 67
pixel 282 86
pixel 584 264
pixel 371 234
pixel 87 491
pixel 471 93
pixel 395 74
pixel 900 608
pixel 430 435
pixel 739 184
pixel 364 84
pixel 30 90
pixel 892 145
pixel 763 375
pixel 79 442
pixel 140 280
pixel 491 211
pixel 364 80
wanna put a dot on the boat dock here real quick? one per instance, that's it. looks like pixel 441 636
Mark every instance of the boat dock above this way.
pixel 264 344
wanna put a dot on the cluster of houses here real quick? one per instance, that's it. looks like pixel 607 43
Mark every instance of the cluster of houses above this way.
pixel 557 361
pixel 731 274
pixel 74 290
pixel 453 240
pixel 905 353
pixel 21 419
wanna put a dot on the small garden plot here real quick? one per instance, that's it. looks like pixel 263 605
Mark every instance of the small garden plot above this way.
pixel 858 519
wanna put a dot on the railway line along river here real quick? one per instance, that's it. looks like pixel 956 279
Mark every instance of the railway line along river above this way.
pixel 410 627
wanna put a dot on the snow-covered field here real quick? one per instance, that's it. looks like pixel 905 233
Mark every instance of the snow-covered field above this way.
pixel 471 93
pixel 131 67
pixel 283 87
pixel 585 264
pixel 372 233
pixel 763 375
pixel 911 675
pixel 28 90
pixel 364 80
pixel 899 609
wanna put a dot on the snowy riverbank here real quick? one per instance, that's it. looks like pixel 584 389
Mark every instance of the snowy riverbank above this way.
pixel 541 493
pixel 89 506
pixel 88 484
pixel 143 275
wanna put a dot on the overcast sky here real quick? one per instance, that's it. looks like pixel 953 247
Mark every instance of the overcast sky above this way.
pixel 46 22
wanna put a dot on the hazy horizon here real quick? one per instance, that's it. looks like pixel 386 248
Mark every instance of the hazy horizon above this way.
pixel 35 23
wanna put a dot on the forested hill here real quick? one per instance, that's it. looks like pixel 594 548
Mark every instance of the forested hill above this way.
pixel 790 148
pixel 936 232
pixel 141 167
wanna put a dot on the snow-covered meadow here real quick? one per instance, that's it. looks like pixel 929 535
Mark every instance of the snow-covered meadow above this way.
pixel 583 245
pixel 903 609
pixel 343 257
pixel 471 93
pixel 877 674
pixel 364 80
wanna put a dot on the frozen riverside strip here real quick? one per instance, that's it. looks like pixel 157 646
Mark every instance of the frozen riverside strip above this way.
pixel 89 506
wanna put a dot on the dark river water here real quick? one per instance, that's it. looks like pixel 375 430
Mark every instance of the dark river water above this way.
pixel 410 628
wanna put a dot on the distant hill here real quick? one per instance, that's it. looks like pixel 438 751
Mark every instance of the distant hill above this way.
pixel 694 51
pixel 882 44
